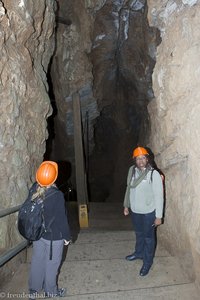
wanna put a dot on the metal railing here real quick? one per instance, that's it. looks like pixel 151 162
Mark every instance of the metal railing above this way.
pixel 20 246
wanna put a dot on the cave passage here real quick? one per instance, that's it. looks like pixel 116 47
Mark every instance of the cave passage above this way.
pixel 113 102
pixel 135 66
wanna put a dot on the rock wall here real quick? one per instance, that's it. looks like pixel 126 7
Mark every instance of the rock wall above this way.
pixel 175 125
pixel 71 72
pixel 123 57
pixel 106 53
pixel 26 45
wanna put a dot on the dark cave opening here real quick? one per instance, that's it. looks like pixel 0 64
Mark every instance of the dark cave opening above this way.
pixel 50 120
pixel 122 67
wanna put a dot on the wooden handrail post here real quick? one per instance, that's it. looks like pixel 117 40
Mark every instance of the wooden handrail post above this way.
pixel 81 187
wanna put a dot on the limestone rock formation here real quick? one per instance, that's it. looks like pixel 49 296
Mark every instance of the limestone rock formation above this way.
pixel 123 54
pixel 107 54
pixel 175 124
pixel 106 51
pixel 71 72
pixel 26 44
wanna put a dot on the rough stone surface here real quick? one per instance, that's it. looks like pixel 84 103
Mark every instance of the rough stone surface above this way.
pixel 26 45
pixel 175 125
pixel 72 72
pixel 123 53
pixel 107 54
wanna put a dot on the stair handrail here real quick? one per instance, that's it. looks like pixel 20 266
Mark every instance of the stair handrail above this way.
pixel 7 255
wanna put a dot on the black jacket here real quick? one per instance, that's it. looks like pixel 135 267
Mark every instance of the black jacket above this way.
pixel 55 212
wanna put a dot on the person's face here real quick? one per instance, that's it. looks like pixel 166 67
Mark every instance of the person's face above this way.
pixel 141 161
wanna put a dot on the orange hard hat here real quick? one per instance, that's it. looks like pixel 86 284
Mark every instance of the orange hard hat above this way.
pixel 47 173
pixel 139 151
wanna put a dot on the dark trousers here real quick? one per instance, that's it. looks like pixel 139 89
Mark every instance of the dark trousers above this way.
pixel 145 236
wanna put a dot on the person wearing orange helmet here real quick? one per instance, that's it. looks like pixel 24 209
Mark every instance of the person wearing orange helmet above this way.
pixel 144 201
pixel 47 251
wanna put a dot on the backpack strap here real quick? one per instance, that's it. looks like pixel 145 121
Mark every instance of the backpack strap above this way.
pixel 53 187
pixel 151 178
pixel 51 243
pixel 139 179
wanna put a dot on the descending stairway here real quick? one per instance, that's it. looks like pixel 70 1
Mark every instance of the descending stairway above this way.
pixel 95 268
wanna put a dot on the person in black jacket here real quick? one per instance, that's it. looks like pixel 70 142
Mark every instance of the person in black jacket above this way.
pixel 48 250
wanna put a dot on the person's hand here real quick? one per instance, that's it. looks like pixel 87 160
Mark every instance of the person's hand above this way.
pixel 126 211
pixel 66 242
pixel 157 222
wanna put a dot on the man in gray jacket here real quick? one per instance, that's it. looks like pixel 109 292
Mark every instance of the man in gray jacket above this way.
pixel 144 200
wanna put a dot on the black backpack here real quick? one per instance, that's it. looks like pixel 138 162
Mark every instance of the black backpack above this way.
pixel 31 223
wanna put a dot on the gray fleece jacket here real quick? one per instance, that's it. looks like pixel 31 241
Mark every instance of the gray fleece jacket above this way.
pixel 147 196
